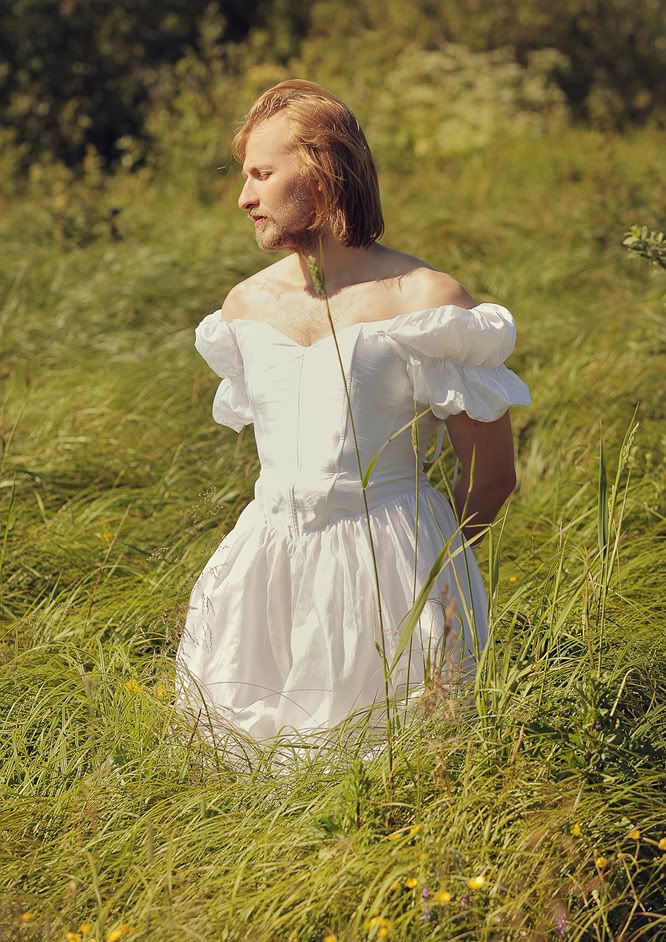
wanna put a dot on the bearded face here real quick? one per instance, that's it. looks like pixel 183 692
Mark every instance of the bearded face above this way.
pixel 276 195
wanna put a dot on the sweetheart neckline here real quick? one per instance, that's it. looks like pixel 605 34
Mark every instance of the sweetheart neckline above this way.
pixel 386 320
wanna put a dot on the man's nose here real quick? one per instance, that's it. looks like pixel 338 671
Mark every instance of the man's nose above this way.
pixel 247 197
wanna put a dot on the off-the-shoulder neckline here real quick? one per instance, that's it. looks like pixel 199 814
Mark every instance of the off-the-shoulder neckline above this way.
pixel 359 324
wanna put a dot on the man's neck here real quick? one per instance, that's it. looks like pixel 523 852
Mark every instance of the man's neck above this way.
pixel 342 265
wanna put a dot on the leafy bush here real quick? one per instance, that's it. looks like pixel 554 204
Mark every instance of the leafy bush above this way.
pixel 648 245
pixel 614 68
pixel 75 77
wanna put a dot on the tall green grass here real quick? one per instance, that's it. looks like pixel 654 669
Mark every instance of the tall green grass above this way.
pixel 116 486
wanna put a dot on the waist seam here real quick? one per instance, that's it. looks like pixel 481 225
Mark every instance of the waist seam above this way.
pixel 295 529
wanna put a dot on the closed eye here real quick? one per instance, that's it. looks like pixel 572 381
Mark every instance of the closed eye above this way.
pixel 258 174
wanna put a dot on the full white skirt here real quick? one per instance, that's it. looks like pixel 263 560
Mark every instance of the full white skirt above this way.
pixel 284 636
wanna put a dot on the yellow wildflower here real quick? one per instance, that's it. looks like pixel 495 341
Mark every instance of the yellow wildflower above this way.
pixel 414 829
pixel 26 917
pixel 442 897
pixel 160 690
pixel 396 885
pixel 411 883
pixel 513 578
pixel 85 928
pixel 73 937
pixel 107 536
pixel 576 830
pixel 133 687
pixel 662 844
pixel 396 835
pixel 601 862
pixel 330 938
pixel 118 933
pixel 634 835
pixel 382 933
pixel 376 921
pixel 475 883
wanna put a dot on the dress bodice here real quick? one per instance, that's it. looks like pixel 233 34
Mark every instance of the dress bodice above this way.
pixel 440 361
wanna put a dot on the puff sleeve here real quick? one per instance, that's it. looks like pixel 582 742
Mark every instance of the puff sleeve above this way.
pixel 215 341
pixel 455 360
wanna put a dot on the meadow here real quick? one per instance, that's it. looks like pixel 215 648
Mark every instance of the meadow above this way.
pixel 532 809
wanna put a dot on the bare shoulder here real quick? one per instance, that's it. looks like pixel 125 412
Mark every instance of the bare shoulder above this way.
pixel 236 303
pixel 425 285
pixel 250 295
pixel 436 288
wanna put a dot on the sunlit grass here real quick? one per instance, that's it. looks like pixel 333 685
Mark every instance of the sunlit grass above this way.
pixel 532 804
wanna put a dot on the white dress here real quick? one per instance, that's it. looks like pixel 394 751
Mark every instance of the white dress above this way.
pixel 283 633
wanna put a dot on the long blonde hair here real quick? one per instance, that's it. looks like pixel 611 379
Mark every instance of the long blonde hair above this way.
pixel 327 138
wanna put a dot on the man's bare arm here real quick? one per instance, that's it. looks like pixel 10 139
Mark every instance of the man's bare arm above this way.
pixel 494 468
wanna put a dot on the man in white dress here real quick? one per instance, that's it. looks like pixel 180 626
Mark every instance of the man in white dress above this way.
pixel 285 621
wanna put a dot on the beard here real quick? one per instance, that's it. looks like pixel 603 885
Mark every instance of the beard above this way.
pixel 273 237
